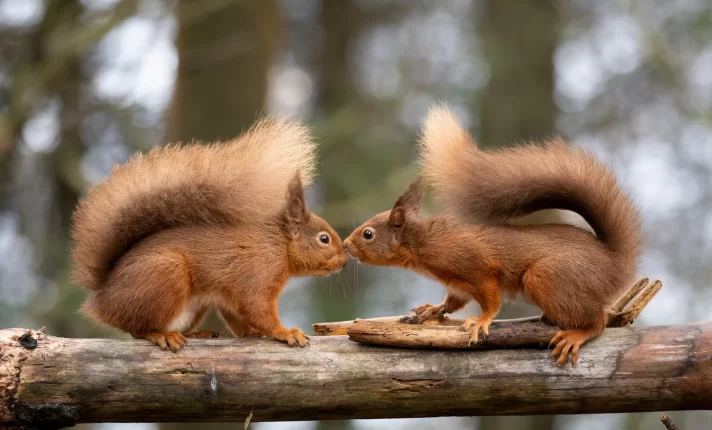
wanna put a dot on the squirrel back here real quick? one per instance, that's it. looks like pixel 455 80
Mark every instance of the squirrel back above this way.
pixel 238 181
pixel 497 185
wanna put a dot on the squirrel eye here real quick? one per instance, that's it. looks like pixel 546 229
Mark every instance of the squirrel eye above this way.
pixel 368 234
pixel 324 238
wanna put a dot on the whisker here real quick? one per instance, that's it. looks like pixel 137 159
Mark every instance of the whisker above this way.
pixel 342 286
pixel 346 281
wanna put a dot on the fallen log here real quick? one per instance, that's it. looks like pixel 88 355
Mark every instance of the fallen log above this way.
pixel 63 382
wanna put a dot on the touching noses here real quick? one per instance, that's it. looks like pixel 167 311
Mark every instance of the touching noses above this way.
pixel 345 255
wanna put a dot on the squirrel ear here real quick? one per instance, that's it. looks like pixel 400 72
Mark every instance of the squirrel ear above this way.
pixel 397 217
pixel 296 212
pixel 408 202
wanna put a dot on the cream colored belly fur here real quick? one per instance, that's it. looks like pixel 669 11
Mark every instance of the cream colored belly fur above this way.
pixel 195 304
pixel 518 296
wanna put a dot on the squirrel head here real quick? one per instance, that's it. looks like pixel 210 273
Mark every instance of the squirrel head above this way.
pixel 313 247
pixel 388 239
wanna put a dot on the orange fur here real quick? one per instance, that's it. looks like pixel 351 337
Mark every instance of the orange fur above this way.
pixel 570 274
pixel 181 230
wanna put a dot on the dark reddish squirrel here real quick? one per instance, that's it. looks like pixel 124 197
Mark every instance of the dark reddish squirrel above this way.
pixel 186 228
pixel 572 275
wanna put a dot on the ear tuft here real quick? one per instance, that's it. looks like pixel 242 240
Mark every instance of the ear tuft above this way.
pixel 409 202
pixel 296 213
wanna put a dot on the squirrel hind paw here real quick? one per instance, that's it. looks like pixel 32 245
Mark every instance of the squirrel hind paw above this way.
pixel 165 339
pixel 568 341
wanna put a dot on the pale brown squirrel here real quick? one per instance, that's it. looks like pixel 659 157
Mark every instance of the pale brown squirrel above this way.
pixel 183 229
pixel 572 275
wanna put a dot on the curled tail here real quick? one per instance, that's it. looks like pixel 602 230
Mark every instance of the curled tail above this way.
pixel 494 186
pixel 239 181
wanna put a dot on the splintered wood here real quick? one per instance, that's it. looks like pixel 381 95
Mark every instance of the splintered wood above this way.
pixel 409 332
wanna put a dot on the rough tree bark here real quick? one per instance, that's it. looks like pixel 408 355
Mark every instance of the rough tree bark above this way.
pixel 66 381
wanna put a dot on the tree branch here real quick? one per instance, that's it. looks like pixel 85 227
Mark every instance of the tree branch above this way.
pixel 667 421
pixel 67 381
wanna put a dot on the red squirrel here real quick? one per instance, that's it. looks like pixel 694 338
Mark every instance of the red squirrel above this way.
pixel 186 228
pixel 564 270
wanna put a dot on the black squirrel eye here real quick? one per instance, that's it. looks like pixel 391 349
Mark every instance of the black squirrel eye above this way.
pixel 324 239
pixel 367 234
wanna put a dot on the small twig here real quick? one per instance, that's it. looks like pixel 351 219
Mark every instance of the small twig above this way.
pixel 628 295
pixel 632 309
pixel 249 417
pixel 668 422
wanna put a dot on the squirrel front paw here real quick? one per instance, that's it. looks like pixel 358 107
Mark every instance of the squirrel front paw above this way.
pixel 164 339
pixel 476 324
pixel 294 337
pixel 422 308
pixel 427 312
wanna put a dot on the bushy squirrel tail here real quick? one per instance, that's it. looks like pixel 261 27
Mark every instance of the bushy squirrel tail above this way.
pixel 239 181
pixel 493 186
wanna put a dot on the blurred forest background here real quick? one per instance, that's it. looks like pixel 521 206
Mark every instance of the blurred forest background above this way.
pixel 86 83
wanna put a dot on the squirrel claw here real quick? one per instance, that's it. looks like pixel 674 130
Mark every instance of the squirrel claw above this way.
pixel 476 324
pixel 165 339
pixel 296 337
pixel 568 341
pixel 420 309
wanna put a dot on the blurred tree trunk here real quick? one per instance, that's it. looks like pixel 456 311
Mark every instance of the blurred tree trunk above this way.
pixel 519 40
pixel 342 22
pixel 224 57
